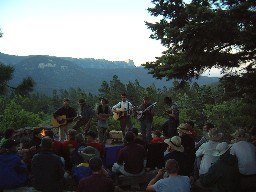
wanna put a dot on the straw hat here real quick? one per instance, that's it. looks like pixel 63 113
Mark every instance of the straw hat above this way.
pixel 88 152
pixel 183 128
pixel 221 148
pixel 175 143
pixel 214 134
pixel 240 135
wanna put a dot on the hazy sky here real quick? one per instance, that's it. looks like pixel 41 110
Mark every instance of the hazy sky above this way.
pixel 100 29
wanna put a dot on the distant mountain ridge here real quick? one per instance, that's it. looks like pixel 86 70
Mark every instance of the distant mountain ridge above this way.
pixel 51 73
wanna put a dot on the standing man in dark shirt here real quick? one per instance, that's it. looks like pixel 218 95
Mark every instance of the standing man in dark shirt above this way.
pixel 85 117
pixel 64 116
pixel 170 126
pixel 145 116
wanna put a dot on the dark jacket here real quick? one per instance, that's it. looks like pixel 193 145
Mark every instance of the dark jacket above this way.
pixel 13 172
pixel 223 175
pixel 47 171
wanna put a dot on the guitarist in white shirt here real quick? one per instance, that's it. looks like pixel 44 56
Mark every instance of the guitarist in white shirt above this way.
pixel 146 118
pixel 124 110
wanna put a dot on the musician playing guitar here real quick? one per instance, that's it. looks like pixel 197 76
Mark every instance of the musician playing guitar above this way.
pixel 170 126
pixel 124 109
pixel 64 123
pixel 103 112
pixel 146 119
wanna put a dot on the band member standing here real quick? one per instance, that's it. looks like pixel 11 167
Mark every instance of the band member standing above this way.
pixel 103 112
pixel 124 109
pixel 66 122
pixel 85 116
pixel 146 119
pixel 170 126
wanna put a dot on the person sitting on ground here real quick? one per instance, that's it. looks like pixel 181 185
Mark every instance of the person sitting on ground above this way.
pixel 13 172
pixel 174 182
pixel 98 181
pixel 138 139
pixel 207 149
pixel 8 134
pixel 223 175
pixel 189 147
pixel 69 146
pixel 176 151
pixel 206 128
pixel 156 137
pixel 190 126
pixel 82 170
pixel 130 161
pixel 47 169
pixel 91 140
pixel 57 146
pixel 75 157
pixel 245 152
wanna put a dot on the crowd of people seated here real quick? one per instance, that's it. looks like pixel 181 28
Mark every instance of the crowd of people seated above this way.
pixel 184 162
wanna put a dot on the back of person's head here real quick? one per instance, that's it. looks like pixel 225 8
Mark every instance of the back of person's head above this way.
pixel 191 123
pixel 172 166
pixel 79 138
pixel 46 143
pixel 95 164
pixel 9 133
pixel 72 134
pixel 209 125
pixel 157 133
pixel 49 133
pixel 123 95
pixel 135 131
pixel 168 100
pixel 129 137
pixel 36 132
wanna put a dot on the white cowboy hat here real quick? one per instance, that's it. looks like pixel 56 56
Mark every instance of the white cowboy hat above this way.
pixel 214 134
pixel 183 128
pixel 175 143
pixel 221 148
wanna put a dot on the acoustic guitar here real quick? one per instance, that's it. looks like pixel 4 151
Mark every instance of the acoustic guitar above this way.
pixel 140 114
pixel 118 113
pixel 62 120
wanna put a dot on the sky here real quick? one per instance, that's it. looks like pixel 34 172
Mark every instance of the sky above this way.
pixel 114 30
pixel 102 29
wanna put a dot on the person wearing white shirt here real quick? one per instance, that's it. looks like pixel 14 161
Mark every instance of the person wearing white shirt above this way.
pixel 207 149
pixel 245 153
pixel 123 109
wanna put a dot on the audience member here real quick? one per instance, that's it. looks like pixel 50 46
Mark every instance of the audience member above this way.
pixel 190 126
pixel 223 175
pixel 13 172
pixel 91 137
pixel 245 152
pixel 47 169
pixel 130 161
pixel 176 151
pixel 156 137
pixel 173 183
pixel 57 146
pixel 82 170
pixel 98 181
pixel 207 149
pixel 68 147
pixel 138 139
pixel 206 128
pixel 189 147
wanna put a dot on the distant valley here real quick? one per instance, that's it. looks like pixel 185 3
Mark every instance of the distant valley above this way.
pixel 54 73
